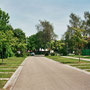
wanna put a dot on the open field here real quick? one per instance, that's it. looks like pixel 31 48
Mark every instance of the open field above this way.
pixel 85 65
pixel 8 67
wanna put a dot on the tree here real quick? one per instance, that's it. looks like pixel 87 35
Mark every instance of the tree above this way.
pixel 32 43
pixel 4 20
pixel 45 32
pixel 21 42
pixel 10 40
pixel 78 40
pixel 20 35
pixel 87 23
pixel 75 22
pixel 56 45
pixel 6 42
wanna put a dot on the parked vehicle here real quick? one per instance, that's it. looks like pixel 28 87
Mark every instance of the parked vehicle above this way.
pixel 32 53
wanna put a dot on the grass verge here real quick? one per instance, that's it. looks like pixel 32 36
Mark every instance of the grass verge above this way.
pixel 73 62
pixel 77 56
pixel 9 65
pixel 2 83
pixel 2 75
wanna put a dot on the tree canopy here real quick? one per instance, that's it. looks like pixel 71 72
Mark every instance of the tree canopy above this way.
pixel 10 40
pixel 45 32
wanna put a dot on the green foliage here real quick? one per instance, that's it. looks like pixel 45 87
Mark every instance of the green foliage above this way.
pixel 20 42
pixel 53 54
pixel 45 32
pixel 56 45
pixel 6 41
pixel 10 40
pixel 20 35
pixel 32 42
pixel 9 52
pixel 46 54
pixel 4 20
pixel 75 38
pixel 42 38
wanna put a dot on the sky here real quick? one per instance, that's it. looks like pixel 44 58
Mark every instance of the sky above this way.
pixel 25 14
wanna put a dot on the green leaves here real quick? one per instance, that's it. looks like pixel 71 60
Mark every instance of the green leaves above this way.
pixel 4 20
pixel 10 40
pixel 45 32
pixel 76 36
pixel 33 43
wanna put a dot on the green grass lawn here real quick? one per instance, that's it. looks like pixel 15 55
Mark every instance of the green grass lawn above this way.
pixel 73 62
pixel 9 65
pixel 88 65
pixel 7 70
pixel 5 75
pixel 87 57
pixel 67 60
pixel 2 83
pixel 12 61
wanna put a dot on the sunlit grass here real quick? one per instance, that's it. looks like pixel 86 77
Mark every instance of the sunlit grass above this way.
pixel 2 83
pixel 2 75
pixel 9 65
pixel 67 60
pixel 73 62
pixel 77 56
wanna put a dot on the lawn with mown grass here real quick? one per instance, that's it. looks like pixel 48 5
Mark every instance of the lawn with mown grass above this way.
pixel 3 75
pixel 77 56
pixel 67 60
pixel 2 83
pixel 7 70
pixel 73 62
pixel 9 65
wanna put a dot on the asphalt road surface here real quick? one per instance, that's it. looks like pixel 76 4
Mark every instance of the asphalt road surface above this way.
pixel 40 73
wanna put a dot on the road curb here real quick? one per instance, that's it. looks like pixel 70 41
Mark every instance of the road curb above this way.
pixel 10 83
pixel 75 68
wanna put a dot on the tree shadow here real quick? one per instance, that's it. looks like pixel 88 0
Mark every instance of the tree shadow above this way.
pixel 69 62
pixel 2 63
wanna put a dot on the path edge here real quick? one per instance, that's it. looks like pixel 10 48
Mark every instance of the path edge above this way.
pixel 75 68
pixel 10 83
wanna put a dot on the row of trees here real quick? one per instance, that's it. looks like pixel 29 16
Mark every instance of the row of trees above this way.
pixel 77 36
pixel 45 33
pixel 45 38
pixel 11 40
pixel 14 42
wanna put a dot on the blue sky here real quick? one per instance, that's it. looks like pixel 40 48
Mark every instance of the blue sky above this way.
pixel 25 14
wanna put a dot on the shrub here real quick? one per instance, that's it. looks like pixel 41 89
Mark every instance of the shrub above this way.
pixel 52 54
pixel 46 54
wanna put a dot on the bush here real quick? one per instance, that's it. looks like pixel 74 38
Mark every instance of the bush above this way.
pixel 52 54
pixel 46 54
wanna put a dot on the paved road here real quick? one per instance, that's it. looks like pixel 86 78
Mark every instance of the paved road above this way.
pixel 40 73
